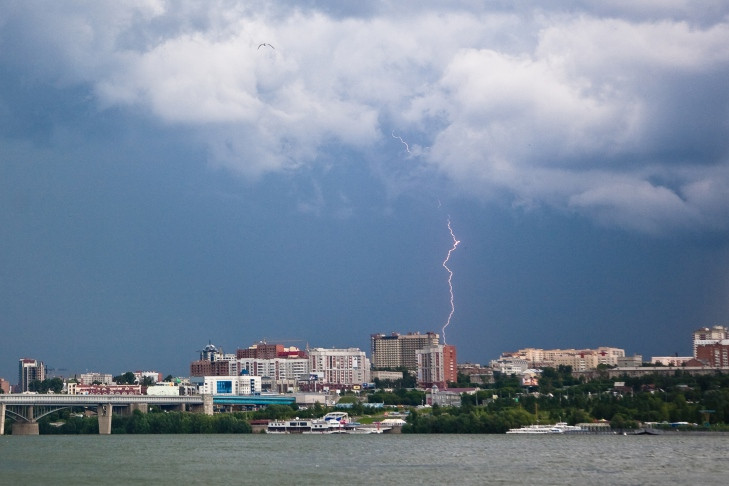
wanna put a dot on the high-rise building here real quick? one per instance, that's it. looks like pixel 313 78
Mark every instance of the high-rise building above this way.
pixel 450 363
pixel 398 350
pixel 279 374
pixel 264 350
pixel 261 350
pixel 339 366
pixel 705 336
pixel 714 354
pixel 437 365
pixel 214 362
pixel 30 370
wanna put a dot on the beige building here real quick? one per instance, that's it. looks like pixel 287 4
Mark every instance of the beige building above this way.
pixel 630 361
pixel 91 378
pixel 386 375
pixel 578 359
pixel 437 365
pixel 706 336
pixel 339 366
pixel 509 366
pixel 398 350
pixel 670 360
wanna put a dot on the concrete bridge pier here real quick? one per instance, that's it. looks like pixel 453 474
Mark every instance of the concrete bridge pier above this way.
pixel 26 428
pixel 2 419
pixel 207 404
pixel 142 407
pixel 104 413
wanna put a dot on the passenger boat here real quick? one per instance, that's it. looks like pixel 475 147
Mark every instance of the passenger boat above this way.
pixel 558 428
pixel 331 423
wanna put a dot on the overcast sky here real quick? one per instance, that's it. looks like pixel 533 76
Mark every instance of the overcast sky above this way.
pixel 173 173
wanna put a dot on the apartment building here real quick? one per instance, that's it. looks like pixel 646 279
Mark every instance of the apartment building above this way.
pixel 214 362
pixel 398 350
pixel 715 354
pixel 30 370
pixel 578 359
pixel 344 367
pixel 437 365
pixel 98 378
pixel 705 335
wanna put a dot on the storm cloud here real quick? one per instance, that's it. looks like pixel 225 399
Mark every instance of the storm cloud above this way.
pixel 618 114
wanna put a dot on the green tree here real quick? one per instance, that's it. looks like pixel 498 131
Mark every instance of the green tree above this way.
pixel 54 385
pixel 147 381
pixel 127 378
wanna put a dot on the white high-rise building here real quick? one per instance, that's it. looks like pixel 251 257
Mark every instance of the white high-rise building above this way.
pixel 30 370
pixel 340 366
pixel 280 373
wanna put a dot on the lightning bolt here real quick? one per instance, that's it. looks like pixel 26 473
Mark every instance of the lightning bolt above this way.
pixel 407 147
pixel 450 278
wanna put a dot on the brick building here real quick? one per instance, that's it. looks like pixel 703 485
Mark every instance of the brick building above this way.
pixel 437 365
pixel 714 354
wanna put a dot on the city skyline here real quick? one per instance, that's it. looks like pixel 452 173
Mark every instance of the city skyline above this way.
pixel 164 182
pixel 379 355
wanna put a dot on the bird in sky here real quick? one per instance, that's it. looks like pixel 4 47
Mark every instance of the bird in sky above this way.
pixel 265 44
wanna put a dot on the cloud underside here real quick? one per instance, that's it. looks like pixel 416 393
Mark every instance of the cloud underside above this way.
pixel 622 116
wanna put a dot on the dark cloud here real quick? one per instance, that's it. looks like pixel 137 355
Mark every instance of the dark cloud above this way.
pixel 160 172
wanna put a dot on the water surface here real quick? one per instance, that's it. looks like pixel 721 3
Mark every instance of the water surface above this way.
pixel 366 459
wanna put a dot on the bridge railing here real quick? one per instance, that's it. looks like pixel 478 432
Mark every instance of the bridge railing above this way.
pixel 80 400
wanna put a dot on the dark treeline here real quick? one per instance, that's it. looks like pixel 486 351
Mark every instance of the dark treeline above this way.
pixel 681 397
pixel 505 404
pixel 49 385
pixel 151 423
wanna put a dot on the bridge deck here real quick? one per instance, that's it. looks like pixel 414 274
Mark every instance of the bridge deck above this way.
pixel 123 400
pixel 91 400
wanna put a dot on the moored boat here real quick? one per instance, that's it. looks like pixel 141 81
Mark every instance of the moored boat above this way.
pixel 558 428
pixel 331 423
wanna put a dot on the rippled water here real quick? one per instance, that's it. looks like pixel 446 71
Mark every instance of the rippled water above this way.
pixel 368 459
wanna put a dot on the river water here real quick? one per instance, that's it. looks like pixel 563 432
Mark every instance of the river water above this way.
pixel 364 459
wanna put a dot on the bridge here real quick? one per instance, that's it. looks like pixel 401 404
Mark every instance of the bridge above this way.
pixel 27 409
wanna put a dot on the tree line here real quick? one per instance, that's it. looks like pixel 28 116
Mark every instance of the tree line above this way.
pixel 67 422
pixel 677 398
pixel 502 405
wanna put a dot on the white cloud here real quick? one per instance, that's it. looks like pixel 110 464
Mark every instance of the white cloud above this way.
pixel 592 109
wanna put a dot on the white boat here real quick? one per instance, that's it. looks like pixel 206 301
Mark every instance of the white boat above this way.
pixel 558 428
pixel 331 423
pixel 568 429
